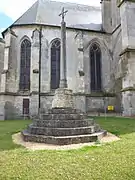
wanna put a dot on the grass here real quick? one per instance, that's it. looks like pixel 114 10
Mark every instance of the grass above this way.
pixel 7 128
pixel 114 161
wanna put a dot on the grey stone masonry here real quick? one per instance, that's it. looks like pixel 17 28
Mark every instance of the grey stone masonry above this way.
pixel 63 126
pixel 63 99
pixel 127 11
pixel 35 61
pixel 63 76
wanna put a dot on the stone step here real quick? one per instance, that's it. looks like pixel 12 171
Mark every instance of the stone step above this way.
pixel 64 140
pixel 64 111
pixel 63 117
pixel 61 131
pixel 63 123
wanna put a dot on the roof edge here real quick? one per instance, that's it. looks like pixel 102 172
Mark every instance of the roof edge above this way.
pixel 36 24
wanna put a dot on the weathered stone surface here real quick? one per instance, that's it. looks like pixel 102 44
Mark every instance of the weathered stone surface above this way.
pixel 63 116
pixel 63 98
pixel 63 111
pixel 61 131
pixel 65 140
pixel 63 123
pixel 62 128
pixel 121 34
pixel 127 11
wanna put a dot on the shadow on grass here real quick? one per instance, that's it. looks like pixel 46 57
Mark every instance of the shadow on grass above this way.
pixel 7 129
pixel 117 125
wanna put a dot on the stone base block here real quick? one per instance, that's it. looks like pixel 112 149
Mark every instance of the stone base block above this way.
pixel 63 123
pixel 63 98
pixel 64 111
pixel 128 98
pixel 63 126
pixel 62 131
pixel 64 140
pixel 62 116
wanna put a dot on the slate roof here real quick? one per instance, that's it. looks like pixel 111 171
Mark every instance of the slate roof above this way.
pixel 91 26
pixel 47 12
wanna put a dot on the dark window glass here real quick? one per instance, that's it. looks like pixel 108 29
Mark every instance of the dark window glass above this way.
pixel 25 65
pixel 95 66
pixel 55 64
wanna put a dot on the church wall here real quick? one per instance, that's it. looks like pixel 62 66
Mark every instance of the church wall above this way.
pixel 21 34
pixel 73 59
pixel 105 46
pixel 100 104
pixel 116 50
pixel 115 14
pixel 49 34
pixel 11 85
pixel 110 15
pixel 9 107
pixel 78 44
pixel 106 15
pixel 127 11
pixel 116 71
pixel 76 60
pixel 6 107
pixel 79 61
pixel 2 44
pixel 110 48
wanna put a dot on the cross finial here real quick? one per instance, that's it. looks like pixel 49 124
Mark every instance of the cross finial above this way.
pixel 63 13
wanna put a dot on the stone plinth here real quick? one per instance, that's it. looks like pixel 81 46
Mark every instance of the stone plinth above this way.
pixel 63 98
pixel 63 126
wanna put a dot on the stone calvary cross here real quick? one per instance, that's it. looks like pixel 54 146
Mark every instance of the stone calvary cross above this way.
pixel 63 13
pixel 63 78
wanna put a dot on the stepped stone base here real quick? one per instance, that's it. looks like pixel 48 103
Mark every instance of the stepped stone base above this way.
pixel 63 126
pixel 63 140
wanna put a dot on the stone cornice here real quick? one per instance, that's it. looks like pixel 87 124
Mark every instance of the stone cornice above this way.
pixel 12 32
pixel 128 89
pixel 57 26
pixel 126 51
pixel 95 94
pixel 2 41
pixel 102 94
pixel 14 94
pixel 120 2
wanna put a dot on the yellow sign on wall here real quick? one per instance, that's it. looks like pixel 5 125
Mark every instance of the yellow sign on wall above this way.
pixel 110 108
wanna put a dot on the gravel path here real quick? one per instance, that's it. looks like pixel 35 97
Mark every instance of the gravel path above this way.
pixel 17 139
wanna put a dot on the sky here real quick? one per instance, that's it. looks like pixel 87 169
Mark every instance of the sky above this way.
pixel 10 10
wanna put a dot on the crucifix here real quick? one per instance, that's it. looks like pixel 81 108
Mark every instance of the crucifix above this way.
pixel 63 13
pixel 63 78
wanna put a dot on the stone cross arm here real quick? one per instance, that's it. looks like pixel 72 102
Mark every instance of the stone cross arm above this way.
pixel 63 13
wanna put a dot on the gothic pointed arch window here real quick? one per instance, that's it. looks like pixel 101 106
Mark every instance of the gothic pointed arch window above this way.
pixel 95 68
pixel 55 63
pixel 25 58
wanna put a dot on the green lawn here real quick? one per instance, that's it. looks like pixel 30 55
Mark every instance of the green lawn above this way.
pixel 114 161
